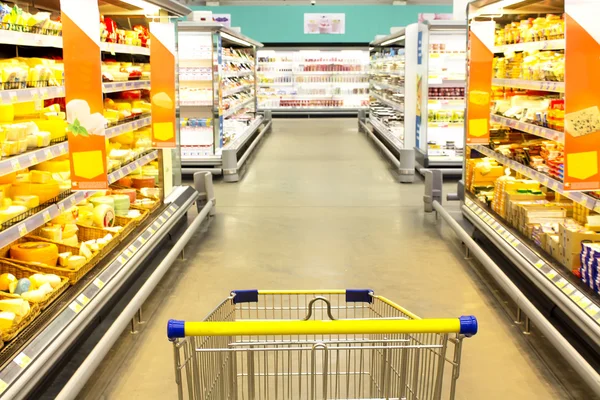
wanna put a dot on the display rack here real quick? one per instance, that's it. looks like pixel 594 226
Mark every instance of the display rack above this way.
pixel 307 81
pixel 436 82
pixel 385 122
pixel 217 88
pixel 36 344
pixel 521 168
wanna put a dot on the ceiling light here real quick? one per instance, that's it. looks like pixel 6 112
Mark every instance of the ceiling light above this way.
pixel 398 39
pixel 147 7
pixel 233 39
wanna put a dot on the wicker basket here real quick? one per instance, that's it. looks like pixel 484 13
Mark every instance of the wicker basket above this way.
pixel 14 330
pixel 128 223
pixel 19 272
pixel 86 233
pixel 74 275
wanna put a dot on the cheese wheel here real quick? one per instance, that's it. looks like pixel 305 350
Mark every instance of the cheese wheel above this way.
pixel 28 201
pixel 53 233
pixel 44 191
pixel 131 193
pixel 142 181
pixel 53 166
pixel 40 176
pixel 67 217
pixel 122 202
pixel 41 252
pixel 108 200
pixel 11 212
pixel 104 216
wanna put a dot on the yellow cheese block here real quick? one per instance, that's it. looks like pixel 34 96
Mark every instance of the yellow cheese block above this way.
pixel 26 108
pixel 18 306
pixel 7 113
pixel 76 262
pixel 57 128
pixel 30 201
pixel 7 319
pixel 44 191
pixel 85 251
pixel 86 218
pixel 88 164
pixel 121 106
pixel 42 252
pixel 11 212
pixel 54 166
pixel 40 176
pixel 69 230
pixel 53 233
pixel 72 241
pixel 63 258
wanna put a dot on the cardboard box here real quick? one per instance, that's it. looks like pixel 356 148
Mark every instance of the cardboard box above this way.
pixel 572 261
pixel 571 241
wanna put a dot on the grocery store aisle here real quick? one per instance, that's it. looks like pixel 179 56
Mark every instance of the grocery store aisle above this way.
pixel 319 208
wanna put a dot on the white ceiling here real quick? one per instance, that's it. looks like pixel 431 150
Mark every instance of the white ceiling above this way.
pixel 319 2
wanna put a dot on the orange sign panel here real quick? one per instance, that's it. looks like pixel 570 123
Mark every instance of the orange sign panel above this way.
pixel 480 87
pixel 162 83
pixel 83 90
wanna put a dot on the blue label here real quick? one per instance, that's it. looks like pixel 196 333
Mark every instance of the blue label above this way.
pixel 418 131
pixel 420 48
pixel 221 132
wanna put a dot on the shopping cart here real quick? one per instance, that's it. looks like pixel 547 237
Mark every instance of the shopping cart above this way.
pixel 328 344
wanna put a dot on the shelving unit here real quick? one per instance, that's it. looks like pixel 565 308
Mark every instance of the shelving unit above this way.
pixel 29 361
pixel 307 81
pixel 218 110
pixel 435 94
pixel 536 205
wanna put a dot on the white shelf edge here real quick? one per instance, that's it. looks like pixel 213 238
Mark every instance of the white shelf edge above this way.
pixel 536 130
pixel 228 113
pixel 31 94
pixel 113 87
pixel 30 39
pixel 548 86
pixel 237 90
pixel 124 49
pixel 132 166
pixel 241 139
pixel 122 128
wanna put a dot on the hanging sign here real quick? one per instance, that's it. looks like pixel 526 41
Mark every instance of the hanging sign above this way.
pixel 162 83
pixel 582 94
pixel 83 92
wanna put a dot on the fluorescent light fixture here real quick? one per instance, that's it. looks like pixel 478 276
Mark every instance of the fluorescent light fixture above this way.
pixel 147 7
pixel 398 39
pixel 234 39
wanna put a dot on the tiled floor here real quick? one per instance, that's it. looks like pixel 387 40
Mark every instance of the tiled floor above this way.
pixel 318 208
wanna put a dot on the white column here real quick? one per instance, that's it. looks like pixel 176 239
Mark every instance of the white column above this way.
pixel 459 9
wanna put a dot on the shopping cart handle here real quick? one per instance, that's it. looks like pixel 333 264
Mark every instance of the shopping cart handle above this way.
pixel 466 325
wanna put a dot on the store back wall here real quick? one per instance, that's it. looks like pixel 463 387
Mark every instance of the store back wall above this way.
pixel 285 24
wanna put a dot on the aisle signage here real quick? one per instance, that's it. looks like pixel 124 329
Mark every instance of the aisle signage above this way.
pixel 162 58
pixel 83 87
pixel 479 82
pixel 582 94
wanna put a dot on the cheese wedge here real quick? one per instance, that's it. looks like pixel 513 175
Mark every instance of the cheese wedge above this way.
pixel 19 307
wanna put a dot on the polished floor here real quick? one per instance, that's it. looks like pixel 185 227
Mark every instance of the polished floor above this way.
pixel 319 208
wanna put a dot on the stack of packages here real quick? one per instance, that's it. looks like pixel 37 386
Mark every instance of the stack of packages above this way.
pixel 590 253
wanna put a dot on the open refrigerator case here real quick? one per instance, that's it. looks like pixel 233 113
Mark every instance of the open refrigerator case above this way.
pixel 531 182
pixel 313 81
pixel 435 107
pixel 89 168
pixel 217 86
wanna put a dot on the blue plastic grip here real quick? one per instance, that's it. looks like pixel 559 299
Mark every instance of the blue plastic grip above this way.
pixel 245 296
pixel 175 329
pixel 359 296
pixel 468 325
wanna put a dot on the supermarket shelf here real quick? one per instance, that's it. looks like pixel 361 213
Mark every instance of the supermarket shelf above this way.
pixel 557 44
pixel 387 73
pixel 393 104
pixel 236 74
pixel 82 304
pixel 330 73
pixel 387 60
pixel 276 84
pixel 30 39
pixel 30 224
pixel 536 130
pixel 124 49
pixel 238 89
pixel 387 86
pixel 112 87
pixel 237 60
pixel 548 86
pixel 344 84
pixel 26 160
pixel 31 94
pixel 396 142
pixel 451 125
pixel 579 197
pixel 453 102
pixel 132 166
pixel 228 113
pixel 553 281
pixel 274 62
pixel 196 80
pixel 126 127
pixel 336 111
pixel 448 83
pixel 241 139
pixel 195 103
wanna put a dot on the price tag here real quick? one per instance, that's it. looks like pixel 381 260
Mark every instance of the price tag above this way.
pixel 3 386
pixel 22 230
pixel 551 275
pixel 75 306
pixel 33 159
pixel 128 253
pixel 162 219
pixel 98 283
pixel 22 360
pixel 515 243
pixel 122 260
pixel 16 165
pixel 583 303
pixel 83 299
pixel 568 289
pixel 133 247
pixel 593 310
pixel 47 154
pixel 142 240
pixel 46 215
pixel 151 230
pixel 561 283
pixel 168 213
pixel 539 264
pixel 61 207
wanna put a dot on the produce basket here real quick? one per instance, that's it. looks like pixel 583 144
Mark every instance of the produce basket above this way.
pixel 74 275
pixel 10 334
pixel 128 223
pixel 19 272
pixel 86 233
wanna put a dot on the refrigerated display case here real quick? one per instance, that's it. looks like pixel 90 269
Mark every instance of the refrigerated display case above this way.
pixel 531 184
pixel 89 169
pixel 220 125
pixel 435 104
pixel 311 81
pixel 385 123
